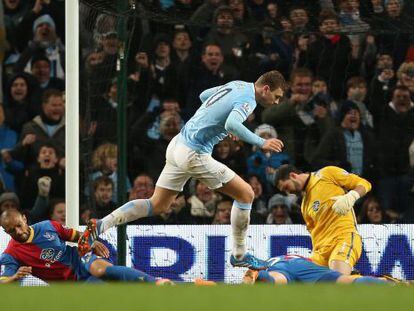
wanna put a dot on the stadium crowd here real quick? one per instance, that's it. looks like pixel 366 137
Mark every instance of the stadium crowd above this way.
pixel 350 67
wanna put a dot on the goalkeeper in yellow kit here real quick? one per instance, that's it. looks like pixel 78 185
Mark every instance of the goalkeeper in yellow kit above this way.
pixel 327 208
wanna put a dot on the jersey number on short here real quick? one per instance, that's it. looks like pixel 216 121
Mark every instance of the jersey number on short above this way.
pixel 218 95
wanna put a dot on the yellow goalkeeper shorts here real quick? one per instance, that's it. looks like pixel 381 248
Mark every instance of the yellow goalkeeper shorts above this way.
pixel 346 248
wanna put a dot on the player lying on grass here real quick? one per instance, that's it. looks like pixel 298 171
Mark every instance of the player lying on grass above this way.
pixel 41 250
pixel 327 208
pixel 223 111
pixel 295 269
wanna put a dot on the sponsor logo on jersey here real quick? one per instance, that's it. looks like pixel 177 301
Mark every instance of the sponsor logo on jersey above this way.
pixel 49 236
pixel 315 206
pixel 246 108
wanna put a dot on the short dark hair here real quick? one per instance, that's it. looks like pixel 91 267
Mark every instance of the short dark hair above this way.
pixel 210 43
pixel 402 88
pixel 50 93
pixel 102 180
pixel 328 14
pixel 284 171
pixel 221 10
pixel 274 79
pixel 354 82
pixel 300 72
pixel 52 204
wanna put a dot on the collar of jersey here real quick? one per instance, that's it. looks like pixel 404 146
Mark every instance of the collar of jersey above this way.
pixel 310 183
pixel 31 235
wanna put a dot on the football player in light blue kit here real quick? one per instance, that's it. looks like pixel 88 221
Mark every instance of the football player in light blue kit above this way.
pixel 223 111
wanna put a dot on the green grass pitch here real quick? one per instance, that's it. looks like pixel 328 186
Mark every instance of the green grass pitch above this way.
pixel 119 297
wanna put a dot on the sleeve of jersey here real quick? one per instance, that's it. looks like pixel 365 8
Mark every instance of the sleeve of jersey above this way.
pixel 347 180
pixel 10 266
pixel 207 93
pixel 234 125
pixel 65 234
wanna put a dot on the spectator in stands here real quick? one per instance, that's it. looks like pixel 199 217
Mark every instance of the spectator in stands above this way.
pixel 320 91
pixel 351 22
pixel 45 41
pixel 300 19
pixel 208 75
pixel 273 15
pixel 372 212
pixel 350 146
pixel 405 77
pixel 169 106
pixel 331 53
pixel 299 121
pixel 143 187
pixel 48 127
pixel 259 207
pixel 8 139
pixel 9 200
pixel 242 14
pixel 203 204
pixel 105 163
pixel 41 70
pixel 258 9
pixel 265 164
pixel 14 10
pixel 278 211
pixel 381 86
pixel 182 55
pixel 102 197
pixel 394 17
pixel 164 71
pixel 19 106
pixel 223 212
pixel 395 134
pixel 203 16
pixel 57 211
pixel 47 165
pixel 231 41
pixel 356 92
pixel 104 113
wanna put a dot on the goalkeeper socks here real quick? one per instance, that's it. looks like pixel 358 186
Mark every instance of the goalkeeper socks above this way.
pixel 369 279
pixel 121 273
pixel 265 276
pixel 128 212
pixel 240 219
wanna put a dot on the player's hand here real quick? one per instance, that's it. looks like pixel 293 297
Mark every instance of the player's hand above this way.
pixel 272 145
pixel 100 249
pixel 21 273
pixel 344 203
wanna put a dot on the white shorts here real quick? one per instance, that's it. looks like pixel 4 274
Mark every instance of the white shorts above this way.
pixel 182 163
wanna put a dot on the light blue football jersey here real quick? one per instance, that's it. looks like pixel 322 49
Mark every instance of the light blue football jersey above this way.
pixel 206 128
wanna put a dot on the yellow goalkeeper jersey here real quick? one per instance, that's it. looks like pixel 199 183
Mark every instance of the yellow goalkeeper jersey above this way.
pixel 324 225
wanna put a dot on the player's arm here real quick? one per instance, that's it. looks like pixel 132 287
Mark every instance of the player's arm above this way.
pixel 20 273
pixel 234 125
pixel 356 186
pixel 207 93
pixel 12 269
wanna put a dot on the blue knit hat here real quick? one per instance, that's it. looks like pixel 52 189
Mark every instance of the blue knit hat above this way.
pixel 42 20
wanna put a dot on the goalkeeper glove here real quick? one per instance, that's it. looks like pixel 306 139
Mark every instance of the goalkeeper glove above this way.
pixel 344 203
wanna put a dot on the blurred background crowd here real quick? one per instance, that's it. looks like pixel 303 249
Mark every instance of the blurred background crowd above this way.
pixel 350 67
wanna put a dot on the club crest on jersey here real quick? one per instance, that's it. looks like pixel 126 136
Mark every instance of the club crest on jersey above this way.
pixel 246 108
pixel 315 206
pixel 49 236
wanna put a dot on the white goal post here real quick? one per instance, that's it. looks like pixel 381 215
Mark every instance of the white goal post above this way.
pixel 72 112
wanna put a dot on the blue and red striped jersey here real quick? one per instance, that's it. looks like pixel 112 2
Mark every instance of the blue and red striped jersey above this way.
pixel 45 251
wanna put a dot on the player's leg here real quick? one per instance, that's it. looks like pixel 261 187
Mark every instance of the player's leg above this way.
pixel 346 253
pixel 103 269
pixel 170 182
pixel 243 196
pixel 348 279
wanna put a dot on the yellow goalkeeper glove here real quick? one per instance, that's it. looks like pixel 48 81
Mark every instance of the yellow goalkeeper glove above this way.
pixel 344 203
